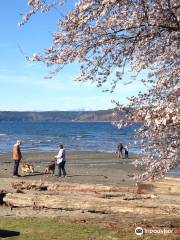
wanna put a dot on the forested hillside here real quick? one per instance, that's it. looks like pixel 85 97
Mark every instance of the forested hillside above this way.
pixel 57 116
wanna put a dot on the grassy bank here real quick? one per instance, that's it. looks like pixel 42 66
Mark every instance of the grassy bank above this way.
pixel 33 229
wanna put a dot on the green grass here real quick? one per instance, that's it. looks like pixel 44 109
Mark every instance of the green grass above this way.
pixel 33 229
pixel 40 229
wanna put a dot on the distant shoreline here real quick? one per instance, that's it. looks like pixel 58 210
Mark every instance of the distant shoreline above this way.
pixel 59 116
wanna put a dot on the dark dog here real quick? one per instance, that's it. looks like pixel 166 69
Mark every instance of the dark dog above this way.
pixel 50 168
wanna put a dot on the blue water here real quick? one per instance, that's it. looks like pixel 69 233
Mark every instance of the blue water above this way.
pixel 80 136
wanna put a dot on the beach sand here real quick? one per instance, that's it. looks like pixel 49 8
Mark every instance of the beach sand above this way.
pixel 81 167
pixel 92 170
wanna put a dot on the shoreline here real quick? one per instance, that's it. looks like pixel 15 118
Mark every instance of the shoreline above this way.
pixel 82 167
pixel 38 151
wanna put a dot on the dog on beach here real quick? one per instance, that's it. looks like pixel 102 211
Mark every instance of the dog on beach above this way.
pixel 50 168
pixel 26 168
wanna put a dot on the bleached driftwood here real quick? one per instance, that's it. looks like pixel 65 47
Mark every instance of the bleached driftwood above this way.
pixel 86 202
pixel 169 186
pixel 37 185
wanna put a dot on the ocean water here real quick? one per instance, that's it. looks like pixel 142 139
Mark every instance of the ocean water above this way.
pixel 79 136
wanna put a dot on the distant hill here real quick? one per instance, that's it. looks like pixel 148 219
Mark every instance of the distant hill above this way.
pixel 57 116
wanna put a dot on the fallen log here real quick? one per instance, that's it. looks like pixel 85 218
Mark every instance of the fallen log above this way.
pixel 89 203
pixel 97 188
pixel 168 186
pixel 171 187
pixel 38 185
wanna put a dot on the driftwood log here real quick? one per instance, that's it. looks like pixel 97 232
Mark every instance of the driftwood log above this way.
pixel 37 185
pixel 96 198
pixel 88 202
pixel 170 186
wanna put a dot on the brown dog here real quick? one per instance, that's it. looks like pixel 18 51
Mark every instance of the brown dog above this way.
pixel 26 168
pixel 50 168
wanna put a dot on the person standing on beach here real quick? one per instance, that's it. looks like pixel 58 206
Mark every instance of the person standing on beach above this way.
pixel 126 151
pixel 17 156
pixel 61 160
pixel 119 150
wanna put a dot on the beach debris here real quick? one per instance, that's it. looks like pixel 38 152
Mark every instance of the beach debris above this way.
pixel 22 185
pixel 39 185
pixel 156 188
pixel 139 197
pixel 19 191
pixel 2 195
pixel 170 186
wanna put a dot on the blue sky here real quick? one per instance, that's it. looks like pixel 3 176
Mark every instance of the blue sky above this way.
pixel 22 84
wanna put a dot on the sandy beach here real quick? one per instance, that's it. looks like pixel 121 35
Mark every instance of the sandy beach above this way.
pixel 97 190
pixel 82 167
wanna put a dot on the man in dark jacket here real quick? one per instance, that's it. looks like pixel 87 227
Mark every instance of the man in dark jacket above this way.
pixel 119 150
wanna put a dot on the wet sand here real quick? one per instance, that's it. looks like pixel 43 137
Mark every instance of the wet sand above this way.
pixel 81 167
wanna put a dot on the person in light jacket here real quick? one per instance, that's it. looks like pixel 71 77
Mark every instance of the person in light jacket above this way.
pixel 126 151
pixel 61 160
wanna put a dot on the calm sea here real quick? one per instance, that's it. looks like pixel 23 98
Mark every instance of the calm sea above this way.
pixel 80 136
